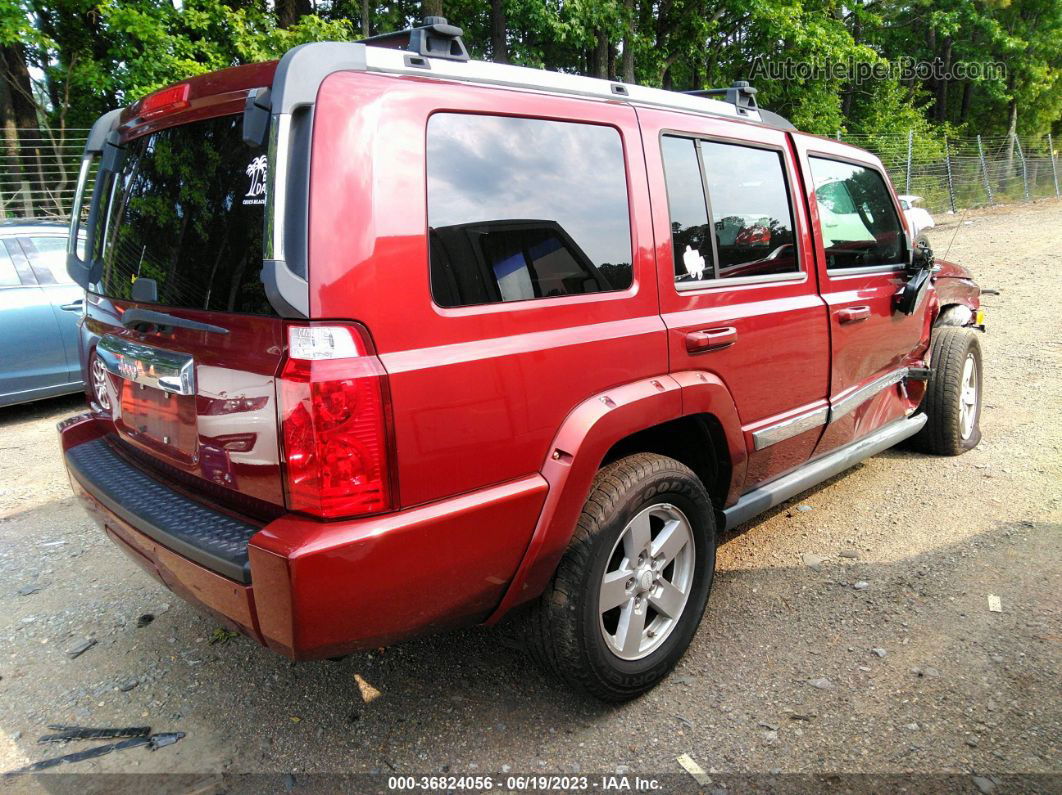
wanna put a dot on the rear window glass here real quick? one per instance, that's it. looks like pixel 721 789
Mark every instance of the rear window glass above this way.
pixel 187 211
pixel 525 208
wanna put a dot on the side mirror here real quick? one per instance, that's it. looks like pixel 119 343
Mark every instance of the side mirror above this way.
pixel 921 257
pixel 917 256
pixel 919 274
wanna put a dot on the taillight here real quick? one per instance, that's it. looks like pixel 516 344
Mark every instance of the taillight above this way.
pixel 334 423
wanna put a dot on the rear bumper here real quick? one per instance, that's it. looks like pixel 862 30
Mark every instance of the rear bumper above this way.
pixel 305 588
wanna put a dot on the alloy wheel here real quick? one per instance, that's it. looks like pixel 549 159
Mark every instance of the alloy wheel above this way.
pixel 99 383
pixel 647 581
pixel 968 397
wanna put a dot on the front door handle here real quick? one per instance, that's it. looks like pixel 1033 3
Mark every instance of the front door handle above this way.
pixel 73 306
pixel 853 314
pixel 713 339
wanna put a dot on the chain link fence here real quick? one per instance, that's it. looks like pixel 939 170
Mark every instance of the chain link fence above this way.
pixel 39 175
pixel 952 174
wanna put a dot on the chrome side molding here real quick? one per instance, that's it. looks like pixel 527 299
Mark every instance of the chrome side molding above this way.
pixel 851 402
pixel 781 489
pixel 142 364
pixel 780 431
pixel 815 418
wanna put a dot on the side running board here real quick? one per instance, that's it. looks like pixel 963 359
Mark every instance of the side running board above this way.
pixel 778 491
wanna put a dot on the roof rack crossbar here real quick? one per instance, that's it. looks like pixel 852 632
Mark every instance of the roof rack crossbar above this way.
pixel 436 38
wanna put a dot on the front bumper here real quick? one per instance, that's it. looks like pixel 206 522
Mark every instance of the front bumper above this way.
pixel 306 588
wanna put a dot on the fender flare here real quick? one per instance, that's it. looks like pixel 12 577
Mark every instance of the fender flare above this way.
pixel 705 393
pixel 580 445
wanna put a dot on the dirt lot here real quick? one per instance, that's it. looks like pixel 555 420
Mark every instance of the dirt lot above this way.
pixel 921 676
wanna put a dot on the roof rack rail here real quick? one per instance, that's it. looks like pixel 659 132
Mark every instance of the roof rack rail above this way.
pixel 436 38
pixel 743 97
pixel 740 94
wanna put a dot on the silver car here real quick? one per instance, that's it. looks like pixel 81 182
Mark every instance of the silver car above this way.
pixel 40 307
pixel 918 217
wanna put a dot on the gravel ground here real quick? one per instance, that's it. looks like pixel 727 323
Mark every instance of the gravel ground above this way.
pixel 798 667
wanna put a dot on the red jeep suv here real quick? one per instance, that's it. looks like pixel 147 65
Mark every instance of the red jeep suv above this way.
pixel 380 341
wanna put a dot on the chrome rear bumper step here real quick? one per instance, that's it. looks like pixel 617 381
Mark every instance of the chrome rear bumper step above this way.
pixel 778 491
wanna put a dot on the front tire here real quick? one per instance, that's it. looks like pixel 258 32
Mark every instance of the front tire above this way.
pixel 953 393
pixel 630 591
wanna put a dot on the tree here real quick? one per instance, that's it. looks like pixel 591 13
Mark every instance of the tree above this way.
pixel 499 47
pixel 289 12
pixel 63 62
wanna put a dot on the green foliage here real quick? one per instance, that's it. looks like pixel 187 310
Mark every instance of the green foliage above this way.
pixel 97 54
pixel 888 113
pixel 130 48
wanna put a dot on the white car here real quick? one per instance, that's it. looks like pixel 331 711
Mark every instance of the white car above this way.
pixel 918 217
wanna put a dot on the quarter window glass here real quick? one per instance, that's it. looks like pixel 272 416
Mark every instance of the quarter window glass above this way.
pixel 750 209
pixel 525 208
pixel 49 262
pixel 859 224
pixel 690 231
pixel 8 274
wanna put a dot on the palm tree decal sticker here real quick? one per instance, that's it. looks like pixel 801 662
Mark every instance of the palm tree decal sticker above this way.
pixel 256 170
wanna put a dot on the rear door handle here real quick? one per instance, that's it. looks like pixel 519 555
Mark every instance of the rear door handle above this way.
pixel 713 339
pixel 73 306
pixel 853 314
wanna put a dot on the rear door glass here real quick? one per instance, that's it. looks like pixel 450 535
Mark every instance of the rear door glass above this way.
pixel 691 232
pixel 730 211
pixel 750 207
pixel 187 211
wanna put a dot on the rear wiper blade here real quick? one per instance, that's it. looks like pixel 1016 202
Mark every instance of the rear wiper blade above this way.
pixel 136 317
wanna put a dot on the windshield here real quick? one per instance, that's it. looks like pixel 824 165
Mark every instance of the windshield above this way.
pixel 187 210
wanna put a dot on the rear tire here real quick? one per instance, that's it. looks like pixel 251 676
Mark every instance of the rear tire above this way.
pixel 953 393
pixel 646 542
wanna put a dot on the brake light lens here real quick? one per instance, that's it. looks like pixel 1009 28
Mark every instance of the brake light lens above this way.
pixel 334 423
pixel 168 99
